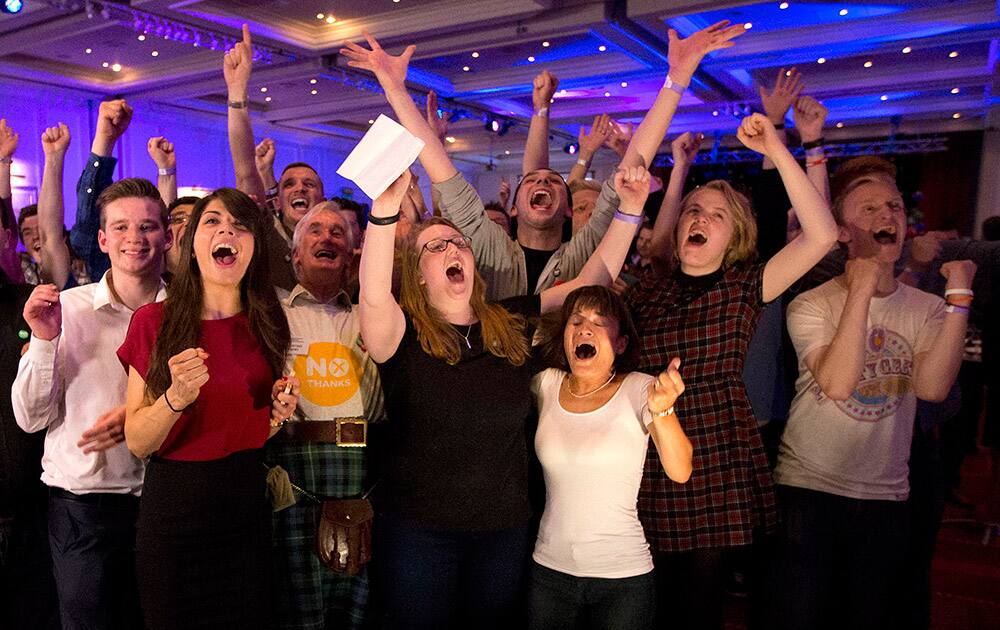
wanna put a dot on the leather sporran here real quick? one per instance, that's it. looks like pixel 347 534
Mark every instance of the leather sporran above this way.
pixel 344 534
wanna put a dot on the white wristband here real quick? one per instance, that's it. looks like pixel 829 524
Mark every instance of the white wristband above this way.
pixel 582 162
pixel 542 111
pixel 672 85
pixel 167 171
pixel 951 308
pixel 948 292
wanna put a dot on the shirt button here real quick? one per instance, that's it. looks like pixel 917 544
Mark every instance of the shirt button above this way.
pixel 97 163
pixel 288 258
pixel 90 190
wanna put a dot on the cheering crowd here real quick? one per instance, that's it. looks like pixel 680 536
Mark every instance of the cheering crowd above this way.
pixel 532 412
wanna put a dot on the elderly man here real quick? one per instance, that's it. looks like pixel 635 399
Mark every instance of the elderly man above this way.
pixel 323 447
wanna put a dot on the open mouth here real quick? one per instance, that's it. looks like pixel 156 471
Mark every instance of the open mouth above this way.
pixel 224 254
pixel 541 198
pixel 326 254
pixel 585 351
pixel 885 236
pixel 299 203
pixel 697 238
pixel 454 272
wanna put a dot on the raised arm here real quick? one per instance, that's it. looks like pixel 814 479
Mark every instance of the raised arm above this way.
pixel 589 144
pixel 685 149
pixel 113 119
pixel 819 232
pixel 683 55
pixel 382 321
pixel 391 74
pixel 162 152
pixel 264 155
pixel 236 69
pixel 55 261
pixel 632 186
pixel 787 86
pixel 9 260
pixel 536 147
pixel 935 371
pixel 837 365
pixel 810 116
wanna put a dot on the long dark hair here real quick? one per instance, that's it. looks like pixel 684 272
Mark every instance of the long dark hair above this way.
pixel 608 304
pixel 181 325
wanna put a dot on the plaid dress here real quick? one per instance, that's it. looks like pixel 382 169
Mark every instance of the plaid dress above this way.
pixel 708 323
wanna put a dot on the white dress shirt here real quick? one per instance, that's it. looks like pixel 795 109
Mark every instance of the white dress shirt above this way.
pixel 65 384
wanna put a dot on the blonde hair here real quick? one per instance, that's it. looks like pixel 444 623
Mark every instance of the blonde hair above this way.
pixel 503 332
pixel 743 243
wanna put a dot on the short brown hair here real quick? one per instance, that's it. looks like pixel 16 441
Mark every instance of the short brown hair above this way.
pixel 853 173
pixel 743 244
pixel 131 187
pixel 608 304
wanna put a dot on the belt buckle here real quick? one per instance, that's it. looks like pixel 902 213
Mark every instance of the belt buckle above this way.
pixel 352 432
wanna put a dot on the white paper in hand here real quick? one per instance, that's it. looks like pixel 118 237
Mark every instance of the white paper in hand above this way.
pixel 382 155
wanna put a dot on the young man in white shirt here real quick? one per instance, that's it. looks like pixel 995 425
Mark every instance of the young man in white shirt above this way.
pixel 868 347
pixel 71 384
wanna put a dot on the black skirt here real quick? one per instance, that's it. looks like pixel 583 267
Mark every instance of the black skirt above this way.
pixel 203 543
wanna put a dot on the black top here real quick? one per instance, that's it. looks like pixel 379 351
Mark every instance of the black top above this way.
pixel 535 261
pixel 455 453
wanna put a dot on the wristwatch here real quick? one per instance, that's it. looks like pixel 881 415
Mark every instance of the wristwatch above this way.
pixel 239 104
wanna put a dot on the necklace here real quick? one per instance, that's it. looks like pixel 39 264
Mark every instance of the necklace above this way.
pixel 569 386
pixel 468 344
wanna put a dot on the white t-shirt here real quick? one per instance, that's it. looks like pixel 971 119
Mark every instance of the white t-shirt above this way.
pixel 859 447
pixel 593 466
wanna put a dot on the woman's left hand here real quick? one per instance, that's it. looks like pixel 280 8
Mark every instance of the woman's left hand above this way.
pixel 283 405
pixel 666 389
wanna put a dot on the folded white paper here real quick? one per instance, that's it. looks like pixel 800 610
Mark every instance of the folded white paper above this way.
pixel 382 155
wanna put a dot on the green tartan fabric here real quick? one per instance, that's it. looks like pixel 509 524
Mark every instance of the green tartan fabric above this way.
pixel 309 595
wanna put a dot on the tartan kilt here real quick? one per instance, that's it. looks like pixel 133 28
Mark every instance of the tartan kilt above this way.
pixel 309 595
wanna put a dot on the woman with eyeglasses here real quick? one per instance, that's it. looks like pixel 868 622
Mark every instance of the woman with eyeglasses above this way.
pixel 452 538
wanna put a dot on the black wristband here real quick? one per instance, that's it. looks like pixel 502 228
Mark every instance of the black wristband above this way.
pixel 383 220
pixel 167 400
pixel 815 144
pixel 780 125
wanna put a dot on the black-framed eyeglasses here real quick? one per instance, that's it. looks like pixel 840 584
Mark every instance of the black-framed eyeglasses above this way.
pixel 438 245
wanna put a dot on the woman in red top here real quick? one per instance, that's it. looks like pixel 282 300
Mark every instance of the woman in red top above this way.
pixel 204 390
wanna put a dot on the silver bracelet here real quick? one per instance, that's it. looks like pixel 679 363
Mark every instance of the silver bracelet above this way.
pixel 662 414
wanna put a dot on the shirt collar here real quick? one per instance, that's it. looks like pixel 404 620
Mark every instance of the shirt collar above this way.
pixel 342 299
pixel 104 297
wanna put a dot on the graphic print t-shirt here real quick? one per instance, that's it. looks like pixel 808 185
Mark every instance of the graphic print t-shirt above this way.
pixel 858 447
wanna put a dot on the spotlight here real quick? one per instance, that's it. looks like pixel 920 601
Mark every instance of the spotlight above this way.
pixel 12 6
pixel 499 126
pixel 571 148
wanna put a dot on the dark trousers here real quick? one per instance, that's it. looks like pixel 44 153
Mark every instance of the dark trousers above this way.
pixel 560 601
pixel 958 434
pixel 839 561
pixel 441 579
pixel 690 589
pixel 92 538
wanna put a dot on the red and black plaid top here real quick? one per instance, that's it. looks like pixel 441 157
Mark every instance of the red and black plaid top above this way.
pixel 708 323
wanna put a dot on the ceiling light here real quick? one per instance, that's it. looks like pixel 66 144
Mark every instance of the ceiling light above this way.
pixel 624 83
pixel 141 38
pixel 907 50
pixel 843 11
pixel 545 44
pixel 715 112
pixel 314 92
pixel 330 19
pixel 602 48
pixel 263 89
pixel 821 60
pixel 783 5
pixel 531 60
pixel 395 1
pixel 267 99
pixel 371 121
pixel 953 54
pixel 840 125
pixel 320 16
pixel 788 73
pixel 312 81
pixel 88 51
pixel 105 64
pixel 571 148
pixel 155 53
pixel 607 94
pixel 475 54
pixel 466 68
pixel 956 115
pixel 748 26
pixel 506 152
pixel 954 90
pixel 449 139
pixel 116 67
pixel 868 64
pixel 884 97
